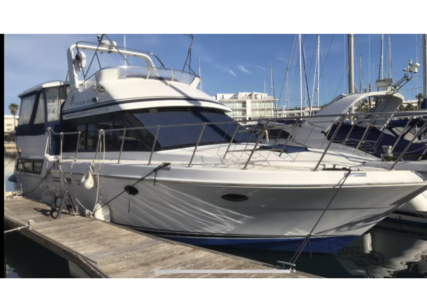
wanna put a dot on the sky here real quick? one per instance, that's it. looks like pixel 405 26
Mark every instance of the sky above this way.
pixel 229 62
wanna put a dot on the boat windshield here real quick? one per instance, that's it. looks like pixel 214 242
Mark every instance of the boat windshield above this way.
pixel 155 73
pixel 181 134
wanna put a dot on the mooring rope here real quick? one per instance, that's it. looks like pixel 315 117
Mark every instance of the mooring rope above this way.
pixel 153 171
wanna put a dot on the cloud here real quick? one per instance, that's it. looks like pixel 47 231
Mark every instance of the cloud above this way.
pixel 261 67
pixel 243 69
pixel 232 73
pixel 281 59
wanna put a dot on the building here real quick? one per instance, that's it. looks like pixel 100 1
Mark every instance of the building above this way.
pixel 248 105
pixel 8 124
pixel 283 113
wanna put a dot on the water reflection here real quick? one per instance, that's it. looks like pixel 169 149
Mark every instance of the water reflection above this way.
pixel 387 250
pixel 8 171
pixel 25 258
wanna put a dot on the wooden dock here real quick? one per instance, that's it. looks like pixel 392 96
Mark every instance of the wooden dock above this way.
pixel 97 249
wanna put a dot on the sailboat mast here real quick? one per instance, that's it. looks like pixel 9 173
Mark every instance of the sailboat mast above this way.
pixel 271 86
pixel 318 71
pixel 361 74
pixel 424 39
pixel 350 65
pixel 200 74
pixel 382 58
pixel 300 73
pixel 389 57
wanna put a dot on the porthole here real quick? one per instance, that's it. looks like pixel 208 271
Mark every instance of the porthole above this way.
pixel 235 197
pixel 131 190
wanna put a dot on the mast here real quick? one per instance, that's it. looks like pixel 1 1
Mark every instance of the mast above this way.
pixel 350 64
pixel 382 58
pixel 264 86
pixel 300 73
pixel 360 74
pixel 200 74
pixel 351 71
pixel 424 39
pixel 318 71
pixel 369 70
pixel 389 57
pixel 271 87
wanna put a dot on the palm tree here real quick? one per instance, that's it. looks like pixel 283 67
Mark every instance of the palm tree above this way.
pixel 420 100
pixel 13 110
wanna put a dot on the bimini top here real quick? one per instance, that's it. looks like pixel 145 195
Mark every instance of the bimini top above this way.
pixel 340 105
pixel 121 88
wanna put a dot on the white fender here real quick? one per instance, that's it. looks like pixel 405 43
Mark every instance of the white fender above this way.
pixel 103 213
pixel 87 180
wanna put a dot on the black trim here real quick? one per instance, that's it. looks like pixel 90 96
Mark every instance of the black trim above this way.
pixel 404 213
pixel 210 235
pixel 124 101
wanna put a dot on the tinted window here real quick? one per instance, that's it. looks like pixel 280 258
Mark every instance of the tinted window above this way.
pixel 29 166
pixel 39 119
pixel 54 99
pixel 185 136
pixel 143 139
pixel 26 110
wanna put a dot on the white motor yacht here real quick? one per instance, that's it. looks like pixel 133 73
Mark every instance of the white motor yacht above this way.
pixel 143 147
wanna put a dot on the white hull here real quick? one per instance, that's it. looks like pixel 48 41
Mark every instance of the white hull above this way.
pixel 282 204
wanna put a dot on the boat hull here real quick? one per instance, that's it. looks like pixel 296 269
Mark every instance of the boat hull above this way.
pixel 273 217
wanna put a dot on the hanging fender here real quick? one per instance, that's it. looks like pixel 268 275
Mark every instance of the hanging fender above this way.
pixel 87 181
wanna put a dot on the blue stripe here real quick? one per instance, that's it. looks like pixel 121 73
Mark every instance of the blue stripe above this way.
pixel 318 245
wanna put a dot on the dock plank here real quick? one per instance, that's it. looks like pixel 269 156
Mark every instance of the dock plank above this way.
pixel 102 249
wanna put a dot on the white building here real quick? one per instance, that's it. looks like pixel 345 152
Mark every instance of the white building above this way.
pixel 248 105
pixel 8 123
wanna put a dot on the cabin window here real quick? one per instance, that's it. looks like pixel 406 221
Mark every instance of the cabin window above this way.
pixel 29 166
pixel 27 105
pixel 54 99
pixel 39 119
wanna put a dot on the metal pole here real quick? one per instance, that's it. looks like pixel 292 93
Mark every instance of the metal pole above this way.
pixel 409 145
pixel 318 71
pixel 389 57
pixel 121 146
pixel 231 141
pixel 351 71
pixel 154 144
pixel 360 75
pixel 259 139
pixel 350 65
pixel 330 142
pixel 197 144
pixel 300 73
pixel 424 39
pixel 382 58
pixel 200 74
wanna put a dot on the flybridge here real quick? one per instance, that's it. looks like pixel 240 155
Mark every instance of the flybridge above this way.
pixel 77 63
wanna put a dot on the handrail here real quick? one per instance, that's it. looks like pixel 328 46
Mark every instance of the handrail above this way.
pixel 259 134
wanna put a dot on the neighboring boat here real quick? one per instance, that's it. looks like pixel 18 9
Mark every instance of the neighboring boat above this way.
pixel 144 148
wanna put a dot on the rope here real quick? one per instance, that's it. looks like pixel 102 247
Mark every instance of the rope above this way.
pixel 10 161
pixel 30 223
pixel 153 171
pixel 307 239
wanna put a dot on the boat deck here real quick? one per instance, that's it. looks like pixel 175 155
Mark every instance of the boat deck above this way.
pixel 98 249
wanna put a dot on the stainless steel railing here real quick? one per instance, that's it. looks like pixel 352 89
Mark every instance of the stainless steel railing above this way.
pixel 338 119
